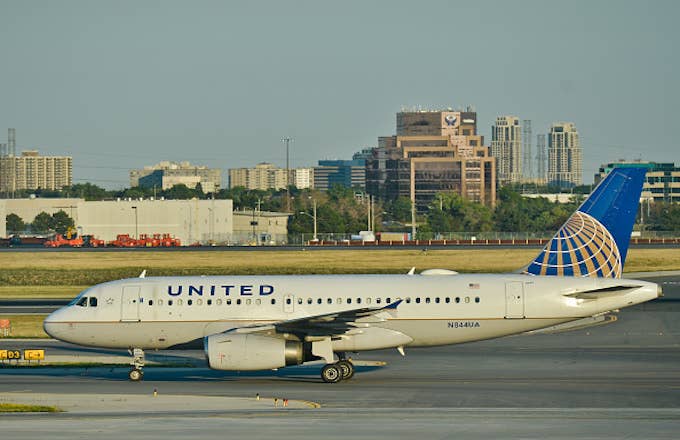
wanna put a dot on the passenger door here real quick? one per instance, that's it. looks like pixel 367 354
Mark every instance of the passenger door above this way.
pixel 129 305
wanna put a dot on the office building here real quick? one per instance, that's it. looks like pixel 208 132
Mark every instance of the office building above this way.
pixel 565 158
pixel 164 175
pixel 662 180
pixel 433 151
pixel 346 173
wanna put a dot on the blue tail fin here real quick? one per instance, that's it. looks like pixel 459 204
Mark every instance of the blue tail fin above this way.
pixel 594 241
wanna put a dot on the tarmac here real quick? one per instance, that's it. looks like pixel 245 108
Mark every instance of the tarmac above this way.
pixel 620 380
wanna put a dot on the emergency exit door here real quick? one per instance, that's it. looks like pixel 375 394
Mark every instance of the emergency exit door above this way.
pixel 514 300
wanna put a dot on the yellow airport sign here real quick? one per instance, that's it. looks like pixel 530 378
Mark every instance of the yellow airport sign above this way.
pixel 34 355
pixel 13 355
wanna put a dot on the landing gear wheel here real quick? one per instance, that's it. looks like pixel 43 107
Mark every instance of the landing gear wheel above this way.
pixel 346 369
pixel 331 373
pixel 136 375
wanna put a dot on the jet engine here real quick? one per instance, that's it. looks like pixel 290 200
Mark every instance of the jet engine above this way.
pixel 242 352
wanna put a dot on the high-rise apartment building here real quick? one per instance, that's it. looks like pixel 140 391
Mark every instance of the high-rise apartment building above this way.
pixel 565 158
pixel 506 147
pixel 540 159
pixel 268 176
pixel 30 171
pixel 433 151
pixel 164 175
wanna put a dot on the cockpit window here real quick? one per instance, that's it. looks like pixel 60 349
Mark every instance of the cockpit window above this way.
pixel 93 301
pixel 82 302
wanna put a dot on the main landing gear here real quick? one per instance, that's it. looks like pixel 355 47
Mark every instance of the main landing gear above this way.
pixel 136 366
pixel 341 370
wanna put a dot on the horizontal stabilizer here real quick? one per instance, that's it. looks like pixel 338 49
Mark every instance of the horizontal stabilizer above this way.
pixel 579 324
pixel 605 292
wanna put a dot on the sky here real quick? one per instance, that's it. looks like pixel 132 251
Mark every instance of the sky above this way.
pixel 124 84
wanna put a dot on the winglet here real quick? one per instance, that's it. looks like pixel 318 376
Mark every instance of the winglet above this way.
pixel 412 271
pixel 143 274
pixel 393 306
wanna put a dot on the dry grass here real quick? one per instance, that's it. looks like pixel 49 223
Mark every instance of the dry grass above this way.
pixel 83 269
pixel 26 326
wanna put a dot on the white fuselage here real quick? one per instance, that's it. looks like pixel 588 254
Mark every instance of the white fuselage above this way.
pixel 163 312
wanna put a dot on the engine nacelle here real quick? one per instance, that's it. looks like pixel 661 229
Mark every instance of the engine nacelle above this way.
pixel 242 352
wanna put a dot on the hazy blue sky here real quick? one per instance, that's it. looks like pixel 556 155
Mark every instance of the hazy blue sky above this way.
pixel 123 84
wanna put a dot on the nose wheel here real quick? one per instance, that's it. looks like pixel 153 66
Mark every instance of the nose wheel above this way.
pixel 136 365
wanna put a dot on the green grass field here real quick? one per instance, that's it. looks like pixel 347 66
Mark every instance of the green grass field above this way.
pixel 65 274
pixel 16 408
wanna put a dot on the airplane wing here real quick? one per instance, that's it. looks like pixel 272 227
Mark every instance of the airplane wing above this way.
pixel 329 324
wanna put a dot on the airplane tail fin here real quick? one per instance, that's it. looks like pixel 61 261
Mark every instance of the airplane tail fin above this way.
pixel 594 241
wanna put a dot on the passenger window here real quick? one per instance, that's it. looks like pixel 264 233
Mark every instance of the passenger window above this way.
pixel 179 302
pixel 358 300
pixel 368 300
pixel 318 301
pixel 229 302
pixel 82 302
pixel 329 300
pixel 457 299
pixel 339 300
pixel 190 302
pixel 467 299
pixel 208 302
pixel 93 301
pixel 477 299
pixel 160 302
pixel 150 302
pixel 258 301
pixel 436 300
pixel 249 301
pixel 219 302
pixel 388 300
pixel 309 300
pixel 199 302
pixel 169 302
pixel 288 300
pixel 238 302
pixel 377 300
pixel 273 301
pixel 349 300
pixel 427 300
pixel 448 300
pixel 299 300
pixel 408 300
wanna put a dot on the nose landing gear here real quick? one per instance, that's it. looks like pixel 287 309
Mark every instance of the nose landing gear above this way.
pixel 136 365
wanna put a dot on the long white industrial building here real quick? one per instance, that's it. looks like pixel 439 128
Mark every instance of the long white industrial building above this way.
pixel 192 221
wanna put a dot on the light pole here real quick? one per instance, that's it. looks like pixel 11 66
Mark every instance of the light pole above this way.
pixel 136 223
pixel 287 141
pixel 313 217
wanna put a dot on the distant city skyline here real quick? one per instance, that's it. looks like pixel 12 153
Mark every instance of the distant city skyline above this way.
pixel 119 84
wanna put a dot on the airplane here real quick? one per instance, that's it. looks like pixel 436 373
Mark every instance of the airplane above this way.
pixel 270 322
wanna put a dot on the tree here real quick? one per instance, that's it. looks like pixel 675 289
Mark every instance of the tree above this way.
pixel 42 223
pixel 61 222
pixel 15 224
pixel 180 192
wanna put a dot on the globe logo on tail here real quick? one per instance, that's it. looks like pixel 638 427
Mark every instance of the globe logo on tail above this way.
pixel 582 247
